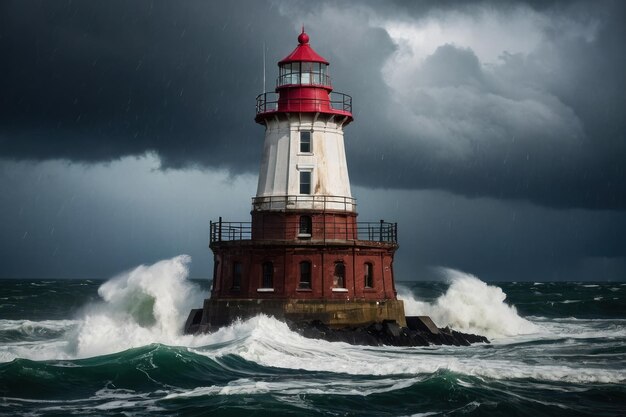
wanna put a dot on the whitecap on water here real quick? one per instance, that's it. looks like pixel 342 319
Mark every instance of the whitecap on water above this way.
pixel 269 342
pixel 148 304
pixel 470 305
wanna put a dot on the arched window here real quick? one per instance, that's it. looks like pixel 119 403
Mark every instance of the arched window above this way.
pixel 369 275
pixel 236 275
pixel 268 275
pixel 339 277
pixel 305 275
pixel 306 226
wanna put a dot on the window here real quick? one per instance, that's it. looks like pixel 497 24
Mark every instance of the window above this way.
pixel 303 73
pixel 268 275
pixel 306 78
pixel 306 226
pixel 236 275
pixel 316 73
pixel 305 182
pixel 305 275
pixel 305 141
pixel 369 275
pixel 295 73
pixel 339 277
pixel 323 74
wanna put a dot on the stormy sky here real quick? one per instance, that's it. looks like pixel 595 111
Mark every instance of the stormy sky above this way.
pixel 492 132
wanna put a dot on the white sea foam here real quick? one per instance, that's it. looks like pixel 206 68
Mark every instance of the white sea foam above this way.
pixel 146 305
pixel 269 342
pixel 573 328
pixel 39 350
pixel 106 399
pixel 150 303
pixel 300 386
pixel 33 327
pixel 470 305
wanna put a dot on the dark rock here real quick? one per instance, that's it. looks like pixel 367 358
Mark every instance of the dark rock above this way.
pixel 391 328
pixel 422 324
pixel 192 325
pixel 387 333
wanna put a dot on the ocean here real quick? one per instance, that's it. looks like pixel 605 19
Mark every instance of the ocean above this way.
pixel 101 348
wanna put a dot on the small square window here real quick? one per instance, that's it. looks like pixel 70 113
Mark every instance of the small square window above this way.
pixel 305 142
pixel 305 182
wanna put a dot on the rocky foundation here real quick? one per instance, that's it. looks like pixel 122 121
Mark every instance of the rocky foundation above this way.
pixel 420 331
pixel 355 322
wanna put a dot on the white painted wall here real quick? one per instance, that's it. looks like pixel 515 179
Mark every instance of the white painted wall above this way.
pixel 279 176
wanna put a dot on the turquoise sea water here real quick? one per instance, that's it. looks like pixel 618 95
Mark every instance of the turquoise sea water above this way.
pixel 84 347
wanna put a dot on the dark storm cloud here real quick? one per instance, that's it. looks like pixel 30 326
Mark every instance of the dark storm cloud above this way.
pixel 94 81
pixel 546 126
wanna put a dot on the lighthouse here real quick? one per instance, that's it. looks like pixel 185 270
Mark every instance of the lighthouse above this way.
pixel 303 256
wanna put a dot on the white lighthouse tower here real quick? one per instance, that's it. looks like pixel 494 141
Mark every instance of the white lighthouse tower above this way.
pixel 304 153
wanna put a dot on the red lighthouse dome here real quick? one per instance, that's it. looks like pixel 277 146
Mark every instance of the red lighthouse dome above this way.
pixel 303 85
pixel 303 52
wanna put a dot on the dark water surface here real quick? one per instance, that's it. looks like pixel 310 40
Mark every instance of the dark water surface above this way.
pixel 95 348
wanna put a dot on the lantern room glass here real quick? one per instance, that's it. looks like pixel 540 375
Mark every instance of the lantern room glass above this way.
pixel 303 73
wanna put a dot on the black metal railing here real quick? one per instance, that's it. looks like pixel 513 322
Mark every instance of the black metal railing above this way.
pixel 313 202
pixel 381 231
pixel 269 102
pixel 226 231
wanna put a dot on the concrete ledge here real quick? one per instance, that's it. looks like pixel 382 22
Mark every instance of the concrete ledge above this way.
pixel 333 313
pixel 422 323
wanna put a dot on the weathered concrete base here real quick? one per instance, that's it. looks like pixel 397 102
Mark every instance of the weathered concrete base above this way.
pixel 353 322
pixel 332 313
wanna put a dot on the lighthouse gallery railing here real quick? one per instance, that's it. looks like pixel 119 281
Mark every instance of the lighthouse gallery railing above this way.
pixel 381 231
pixel 317 202
pixel 268 102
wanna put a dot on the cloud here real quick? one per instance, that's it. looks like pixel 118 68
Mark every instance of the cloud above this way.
pixel 485 115
pixel 61 220
pixel 518 101
pixel 94 82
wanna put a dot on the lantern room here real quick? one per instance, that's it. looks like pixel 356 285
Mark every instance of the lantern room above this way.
pixel 303 66
pixel 303 86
